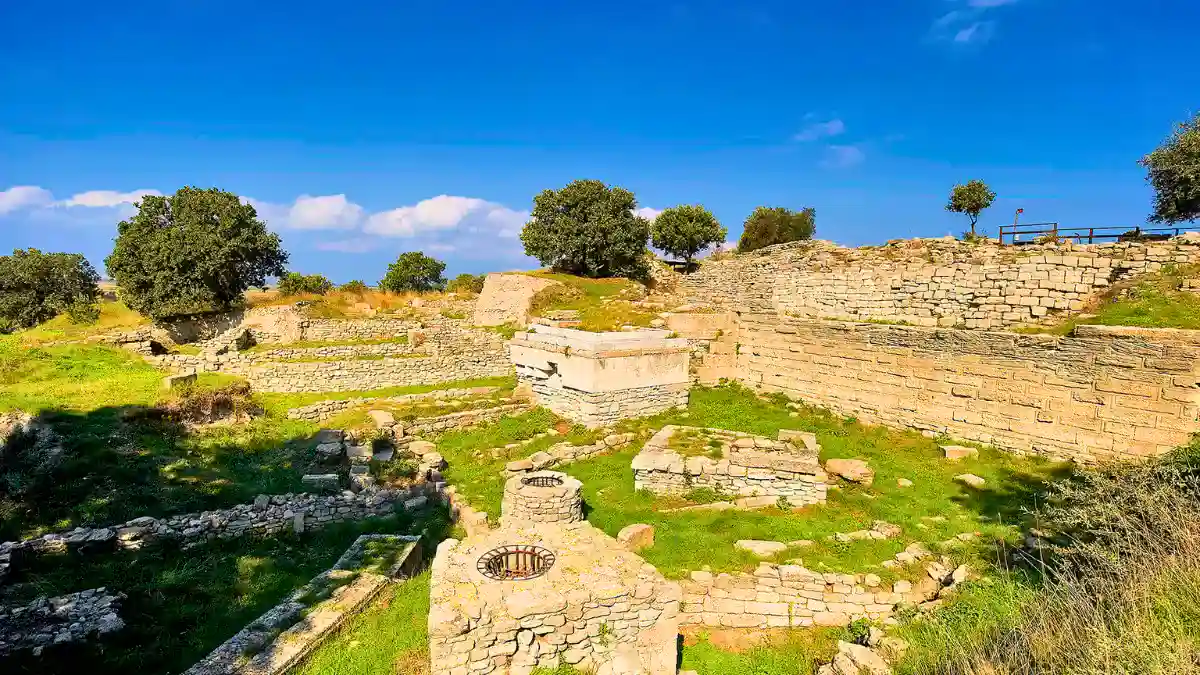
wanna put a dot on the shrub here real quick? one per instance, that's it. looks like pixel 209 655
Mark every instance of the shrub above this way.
pixel 36 286
pixel 294 283
pixel 1171 170
pixel 466 283
pixel 587 228
pixel 768 226
pixel 971 199
pixel 414 271
pixel 192 252
pixel 684 231
pixel 355 287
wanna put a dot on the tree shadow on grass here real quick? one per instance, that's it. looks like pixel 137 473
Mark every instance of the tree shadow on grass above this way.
pixel 122 462
pixel 1012 498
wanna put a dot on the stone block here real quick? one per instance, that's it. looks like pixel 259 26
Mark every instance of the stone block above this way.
pixel 636 537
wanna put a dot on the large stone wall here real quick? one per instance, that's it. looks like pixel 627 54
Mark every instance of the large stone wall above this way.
pixel 928 282
pixel 1102 393
pixel 506 298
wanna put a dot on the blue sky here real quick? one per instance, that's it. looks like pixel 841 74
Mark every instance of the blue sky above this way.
pixel 362 129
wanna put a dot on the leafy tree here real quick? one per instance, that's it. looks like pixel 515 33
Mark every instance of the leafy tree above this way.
pixel 1174 171
pixel 357 287
pixel 36 286
pixel 414 271
pixel 767 226
pixel 971 199
pixel 466 283
pixel 686 230
pixel 294 283
pixel 589 229
pixel 192 252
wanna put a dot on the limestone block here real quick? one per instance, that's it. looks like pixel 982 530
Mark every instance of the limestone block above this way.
pixel 852 470
pixel 179 380
pixel 957 452
pixel 760 548
pixel 971 480
pixel 636 537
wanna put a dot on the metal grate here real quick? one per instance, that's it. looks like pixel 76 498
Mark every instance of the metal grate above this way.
pixel 542 481
pixel 515 563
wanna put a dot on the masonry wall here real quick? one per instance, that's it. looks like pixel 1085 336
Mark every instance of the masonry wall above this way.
pixel 597 409
pixel 1104 393
pixel 928 282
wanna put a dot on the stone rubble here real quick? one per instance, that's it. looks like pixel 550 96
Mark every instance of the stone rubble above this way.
pixel 75 617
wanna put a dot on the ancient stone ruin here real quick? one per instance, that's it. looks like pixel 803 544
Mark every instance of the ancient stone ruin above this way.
pixel 536 594
pixel 601 378
pixel 678 459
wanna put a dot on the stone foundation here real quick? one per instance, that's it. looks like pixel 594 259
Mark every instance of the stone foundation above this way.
pixel 597 379
pixel 542 497
pixel 733 463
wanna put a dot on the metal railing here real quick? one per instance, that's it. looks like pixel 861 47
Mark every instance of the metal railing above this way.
pixel 1036 233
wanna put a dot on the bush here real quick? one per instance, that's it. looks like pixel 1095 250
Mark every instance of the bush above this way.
pixel 587 228
pixel 294 283
pixel 414 271
pixel 768 226
pixel 684 231
pixel 1171 170
pixel 36 286
pixel 355 287
pixel 192 252
pixel 466 283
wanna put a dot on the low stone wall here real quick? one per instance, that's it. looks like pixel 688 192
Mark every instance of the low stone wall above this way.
pixel 542 497
pixel 281 638
pixel 334 352
pixel 561 453
pixel 54 621
pixel 267 516
pixel 1099 394
pixel 358 329
pixel 323 410
pixel 748 466
pixel 371 374
pixel 928 282
pixel 605 408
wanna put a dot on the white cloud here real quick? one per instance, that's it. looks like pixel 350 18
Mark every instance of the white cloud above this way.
pixel 107 198
pixel 647 213
pixel 446 212
pixel 970 23
pixel 819 130
pixel 980 31
pixel 843 156
pixel 332 212
pixel 24 197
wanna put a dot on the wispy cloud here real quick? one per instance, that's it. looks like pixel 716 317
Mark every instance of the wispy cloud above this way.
pixel 818 130
pixel 843 156
pixel 971 22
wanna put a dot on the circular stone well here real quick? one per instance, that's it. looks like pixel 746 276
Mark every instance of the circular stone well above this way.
pixel 542 497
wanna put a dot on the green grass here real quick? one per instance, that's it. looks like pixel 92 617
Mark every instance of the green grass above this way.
pixel 114 316
pixel 278 404
pixel 357 417
pixel 603 304
pixel 389 637
pixel 1153 301
pixel 316 344
pixel 182 604
pixel 789 653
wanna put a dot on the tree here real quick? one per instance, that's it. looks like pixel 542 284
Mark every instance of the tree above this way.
pixel 684 231
pixel 36 286
pixel 294 283
pixel 589 229
pixel 767 226
pixel 466 283
pixel 971 199
pixel 192 252
pixel 1174 171
pixel 356 286
pixel 414 271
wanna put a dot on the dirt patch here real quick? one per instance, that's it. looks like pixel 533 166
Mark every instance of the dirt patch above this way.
pixel 412 662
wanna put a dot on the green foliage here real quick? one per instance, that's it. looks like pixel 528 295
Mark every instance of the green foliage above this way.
pixel 1173 169
pixel 414 271
pixel 466 283
pixel 589 229
pixel 767 226
pixel 36 286
pixel 971 199
pixel 356 287
pixel 193 252
pixel 294 283
pixel 684 231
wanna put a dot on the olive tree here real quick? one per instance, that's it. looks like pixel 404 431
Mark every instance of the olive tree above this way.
pixel 767 226
pixel 192 252
pixel 589 229
pixel 36 286
pixel 971 199
pixel 414 271
pixel 684 231
pixel 1173 169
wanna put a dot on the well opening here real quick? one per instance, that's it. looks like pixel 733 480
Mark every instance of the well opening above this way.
pixel 515 563
pixel 542 481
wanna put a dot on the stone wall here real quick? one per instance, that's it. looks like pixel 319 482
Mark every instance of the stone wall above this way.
pixel 323 410
pixel 1102 393
pixel 928 282
pixel 267 516
pixel 542 497
pixel 319 376
pixel 747 466
pixel 506 299
pixel 605 408
pixel 74 617
pixel 334 352
pixel 358 329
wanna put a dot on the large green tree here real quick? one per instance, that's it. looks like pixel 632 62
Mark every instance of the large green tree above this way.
pixel 192 252
pixel 684 231
pixel 589 229
pixel 767 226
pixel 294 283
pixel 970 198
pixel 36 286
pixel 1173 169
pixel 414 271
